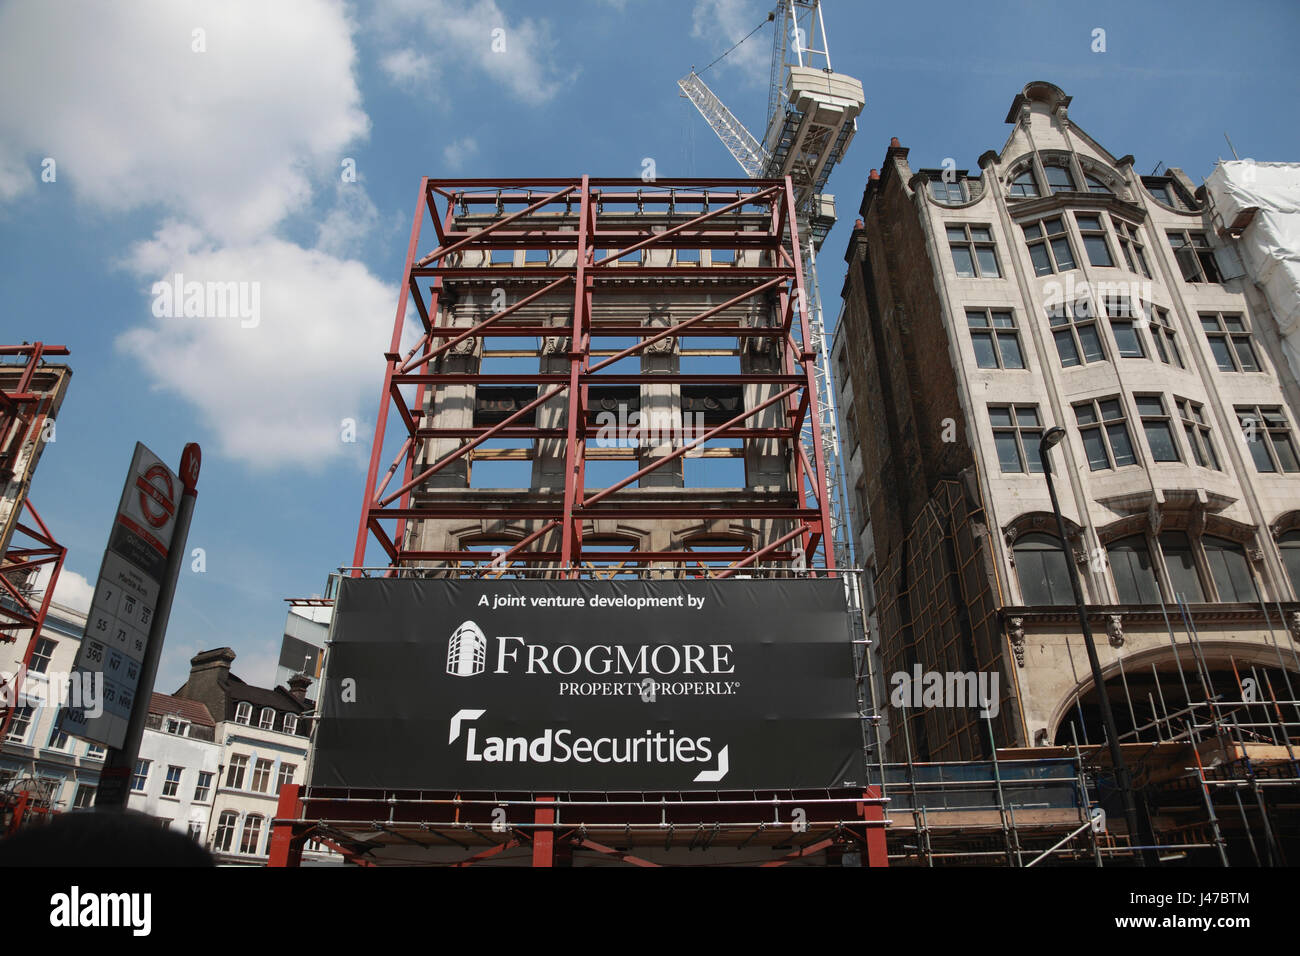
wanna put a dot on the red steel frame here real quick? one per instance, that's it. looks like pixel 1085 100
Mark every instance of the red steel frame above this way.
pixel 23 414
pixel 699 208
pixel 512 215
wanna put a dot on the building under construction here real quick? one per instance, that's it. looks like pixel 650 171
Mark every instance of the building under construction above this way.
pixel 31 392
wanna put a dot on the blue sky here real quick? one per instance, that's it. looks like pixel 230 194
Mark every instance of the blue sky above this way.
pixel 224 164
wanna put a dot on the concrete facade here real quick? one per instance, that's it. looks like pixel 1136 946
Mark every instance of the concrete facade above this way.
pixel 264 739
pixel 180 761
pixel 68 768
pixel 1056 287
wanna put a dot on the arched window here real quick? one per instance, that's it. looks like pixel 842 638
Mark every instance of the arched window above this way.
pixel 267 720
pixel 290 724
pixel 1135 576
pixel 1180 562
pixel 1289 545
pixel 1044 575
pixel 1059 178
pixel 252 834
pixel 1230 570
pixel 225 831
pixel 1024 186
pixel 1095 185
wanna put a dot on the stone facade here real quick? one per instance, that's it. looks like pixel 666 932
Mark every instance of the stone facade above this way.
pixel 1060 287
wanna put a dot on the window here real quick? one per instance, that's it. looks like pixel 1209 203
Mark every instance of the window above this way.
pixel 235 772
pixel 19 724
pixel 1130 244
pixel 1195 257
pixel 1135 576
pixel 1162 192
pixel 95 752
pixel 1075 330
pixel 864 506
pixel 1023 186
pixel 850 445
pixel 261 775
pixel 85 798
pixel 1197 430
pixel 1289 546
pixel 994 336
pixel 973 252
pixel 1059 179
pixel 267 719
pixel 1040 565
pixel 1166 191
pixel 225 831
pixel 1105 434
pixel 174 725
pixel 173 781
pixel 1095 185
pixel 1229 570
pixel 1049 246
pixel 291 720
pixel 286 775
pixel 1229 342
pixel 58 738
pixel 244 713
pixel 140 776
pixel 1128 340
pixel 41 655
pixel 1159 430
pixel 1016 433
pixel 252 834
pixel 1094 240
pixel 1162 334
pixel 1269 438
pixel 203 787
pixel 195 831
pixel 1180 562
pixel 949 193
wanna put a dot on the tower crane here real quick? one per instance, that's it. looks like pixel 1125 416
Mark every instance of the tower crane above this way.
pixel 811 118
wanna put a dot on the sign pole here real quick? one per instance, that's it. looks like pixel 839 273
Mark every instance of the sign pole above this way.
pixel 119 763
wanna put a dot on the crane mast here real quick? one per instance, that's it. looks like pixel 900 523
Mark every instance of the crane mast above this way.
pixel 811 118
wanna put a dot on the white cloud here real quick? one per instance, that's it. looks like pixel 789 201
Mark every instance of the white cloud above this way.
pixel 721 23
pixel 227 144
pixel 345 227
pixel 407 68
pixel 275 392
pixel 72 590
pixel 231 138
pixel 473 35
pixel 456 153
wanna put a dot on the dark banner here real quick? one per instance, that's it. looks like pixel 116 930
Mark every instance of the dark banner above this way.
pixel 589 685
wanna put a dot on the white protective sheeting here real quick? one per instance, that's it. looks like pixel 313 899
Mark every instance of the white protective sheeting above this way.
pixel 1270 244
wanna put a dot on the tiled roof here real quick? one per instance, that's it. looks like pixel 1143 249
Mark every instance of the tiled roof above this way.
pixel 279 698
pixel 190 710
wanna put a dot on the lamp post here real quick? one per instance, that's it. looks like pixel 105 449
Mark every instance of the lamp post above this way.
pixel 1051 439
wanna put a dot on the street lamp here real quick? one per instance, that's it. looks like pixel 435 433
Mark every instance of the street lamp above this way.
pixel 1050 440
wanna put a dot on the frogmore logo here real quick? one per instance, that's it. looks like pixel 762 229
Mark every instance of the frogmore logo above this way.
pixel 467 651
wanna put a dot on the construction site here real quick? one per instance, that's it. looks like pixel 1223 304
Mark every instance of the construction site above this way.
pixel 604 390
